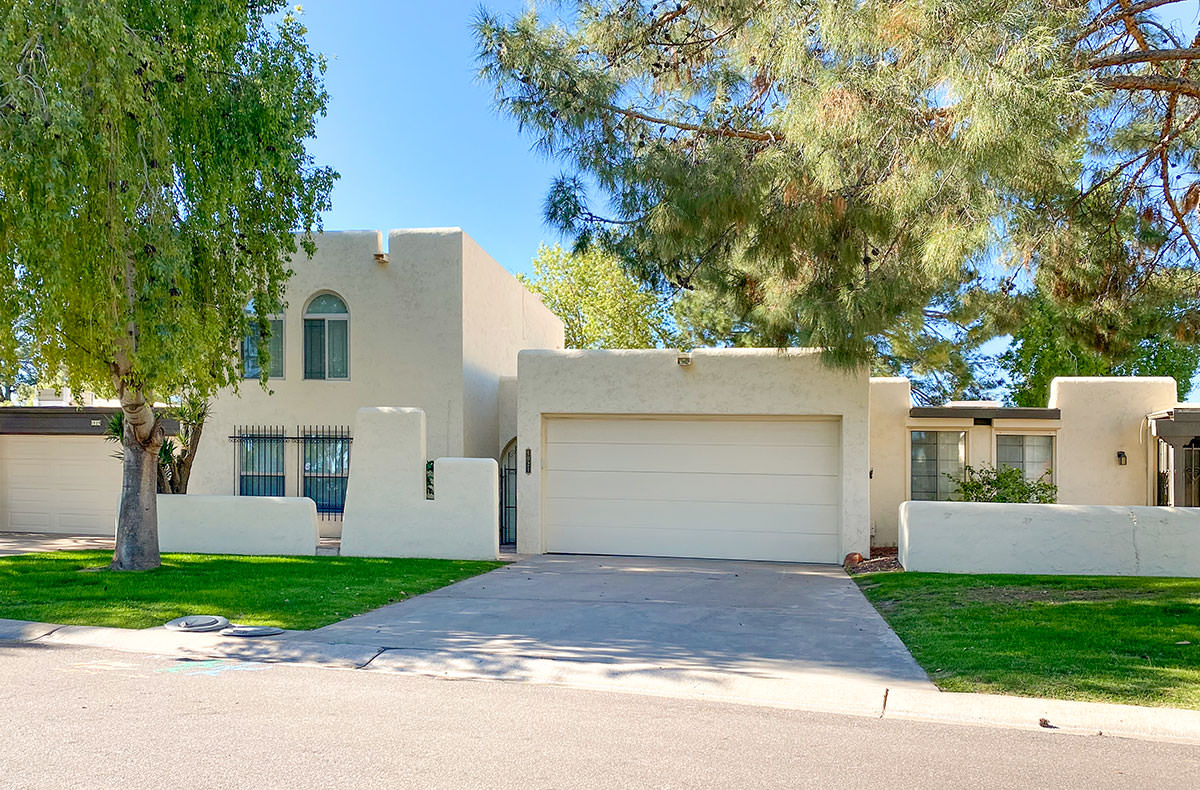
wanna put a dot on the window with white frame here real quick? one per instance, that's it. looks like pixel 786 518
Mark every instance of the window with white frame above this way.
pixel 1033 454
pixel 326 338
pixel 936 454
pixel 251 359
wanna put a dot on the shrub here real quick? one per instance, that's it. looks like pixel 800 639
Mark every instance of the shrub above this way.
pixel 1006 484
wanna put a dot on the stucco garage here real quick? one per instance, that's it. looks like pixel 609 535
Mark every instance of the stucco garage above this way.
pixel 741 454
pixel 67 484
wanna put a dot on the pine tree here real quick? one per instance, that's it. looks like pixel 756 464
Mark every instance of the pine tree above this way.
pixel 887 179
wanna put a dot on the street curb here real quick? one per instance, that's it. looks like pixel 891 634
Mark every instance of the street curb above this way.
pixel 817 693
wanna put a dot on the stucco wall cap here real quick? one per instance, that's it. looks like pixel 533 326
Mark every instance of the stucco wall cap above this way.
pixel 665 353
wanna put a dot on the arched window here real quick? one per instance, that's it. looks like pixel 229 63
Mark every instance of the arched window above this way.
pixel 326 338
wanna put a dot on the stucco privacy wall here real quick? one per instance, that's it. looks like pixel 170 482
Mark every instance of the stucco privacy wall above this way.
pixel 1101 416
pixel 387 514
pixel 979 537
pixel 499 318
pixel 719 382
pixel 237 525
pixel 890 401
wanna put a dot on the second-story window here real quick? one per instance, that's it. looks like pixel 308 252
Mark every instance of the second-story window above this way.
pixel 252 361
pixel 326 338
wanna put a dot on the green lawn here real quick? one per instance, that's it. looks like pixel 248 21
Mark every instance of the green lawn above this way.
pixel 1099 638
pixel 75 587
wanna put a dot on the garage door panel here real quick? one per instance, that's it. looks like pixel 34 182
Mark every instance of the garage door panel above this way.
pixel 738 488
pixel 739 545
pixel 69 484
pixel 682 487
pixel 643 431
pixel 601 514
pixel 704 458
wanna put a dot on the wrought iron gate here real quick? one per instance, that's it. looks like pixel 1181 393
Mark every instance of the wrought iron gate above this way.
pixel 508 496
pixel 325 465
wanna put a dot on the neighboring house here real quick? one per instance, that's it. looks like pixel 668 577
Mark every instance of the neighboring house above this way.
pixel 432 323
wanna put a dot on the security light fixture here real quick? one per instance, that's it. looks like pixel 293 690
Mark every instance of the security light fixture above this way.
pixel 684 360
pixel 1122 459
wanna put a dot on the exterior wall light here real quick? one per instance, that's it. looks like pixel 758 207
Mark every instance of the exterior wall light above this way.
pixel 1122 459
pixel 684 360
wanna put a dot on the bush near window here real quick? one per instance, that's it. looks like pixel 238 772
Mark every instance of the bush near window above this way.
pixel 1006 484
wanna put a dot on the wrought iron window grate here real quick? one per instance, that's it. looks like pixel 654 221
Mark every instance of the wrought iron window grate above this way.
pixel 323 460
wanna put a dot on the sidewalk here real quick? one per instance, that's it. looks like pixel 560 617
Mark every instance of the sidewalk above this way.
pixel 821 693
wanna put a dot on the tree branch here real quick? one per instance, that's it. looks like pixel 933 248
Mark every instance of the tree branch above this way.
pixel 711 131
pixel 1143 56
pixel 1151 82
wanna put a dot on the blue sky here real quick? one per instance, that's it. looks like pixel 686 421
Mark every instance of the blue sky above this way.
pixel 414 135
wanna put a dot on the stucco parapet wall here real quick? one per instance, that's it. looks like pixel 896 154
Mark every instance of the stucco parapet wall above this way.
pixel 387 514
pixel 214 524
pixel 986 537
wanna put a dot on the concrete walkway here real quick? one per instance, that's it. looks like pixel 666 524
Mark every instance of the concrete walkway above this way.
pixel 40 542
pixel 768 632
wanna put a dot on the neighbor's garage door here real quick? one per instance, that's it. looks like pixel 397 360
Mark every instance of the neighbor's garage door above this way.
pixel 68 484
pixel 761 489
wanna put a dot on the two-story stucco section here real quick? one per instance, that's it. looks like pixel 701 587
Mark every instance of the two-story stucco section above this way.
pixel 432 323
pixel 732 453
pixel 1101 417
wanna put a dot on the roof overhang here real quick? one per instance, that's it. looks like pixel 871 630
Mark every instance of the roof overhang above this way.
pixel 1181 422
pixel 983 413
pixel 63 421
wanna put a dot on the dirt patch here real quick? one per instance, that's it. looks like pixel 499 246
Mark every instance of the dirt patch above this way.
pixel 1034 595
pixel 882 559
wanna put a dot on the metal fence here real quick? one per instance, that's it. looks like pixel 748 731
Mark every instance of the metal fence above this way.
pixel 323 458
pixel 325 465
pixel 508 497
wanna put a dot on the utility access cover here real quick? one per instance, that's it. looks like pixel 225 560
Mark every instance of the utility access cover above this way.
pixel 251 630
pixel 197 623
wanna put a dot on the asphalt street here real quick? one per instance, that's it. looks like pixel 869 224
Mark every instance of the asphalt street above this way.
pixel 82 717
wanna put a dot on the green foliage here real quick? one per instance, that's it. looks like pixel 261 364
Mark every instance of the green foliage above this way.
pixel 287 592
pixel 599 304
pixel 152 173
pixel 1006 484
pixel 1106 639
pixel 1042 349
pixel 176 455
pixel 883 179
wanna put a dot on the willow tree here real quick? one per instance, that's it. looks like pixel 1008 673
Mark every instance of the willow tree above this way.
pixel 892 180
pixel 152 175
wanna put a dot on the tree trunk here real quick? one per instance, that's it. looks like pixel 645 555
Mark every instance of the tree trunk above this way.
pixel 137 521
pixel 183 470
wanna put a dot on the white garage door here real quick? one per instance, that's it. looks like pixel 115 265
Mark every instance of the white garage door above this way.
pixel 762 489
pixel 68 484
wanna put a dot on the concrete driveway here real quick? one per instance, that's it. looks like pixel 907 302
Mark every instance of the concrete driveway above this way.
pixel 750 631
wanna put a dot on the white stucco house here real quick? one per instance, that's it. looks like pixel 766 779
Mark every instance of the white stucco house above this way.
pixel 730 453
pixel 430 321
